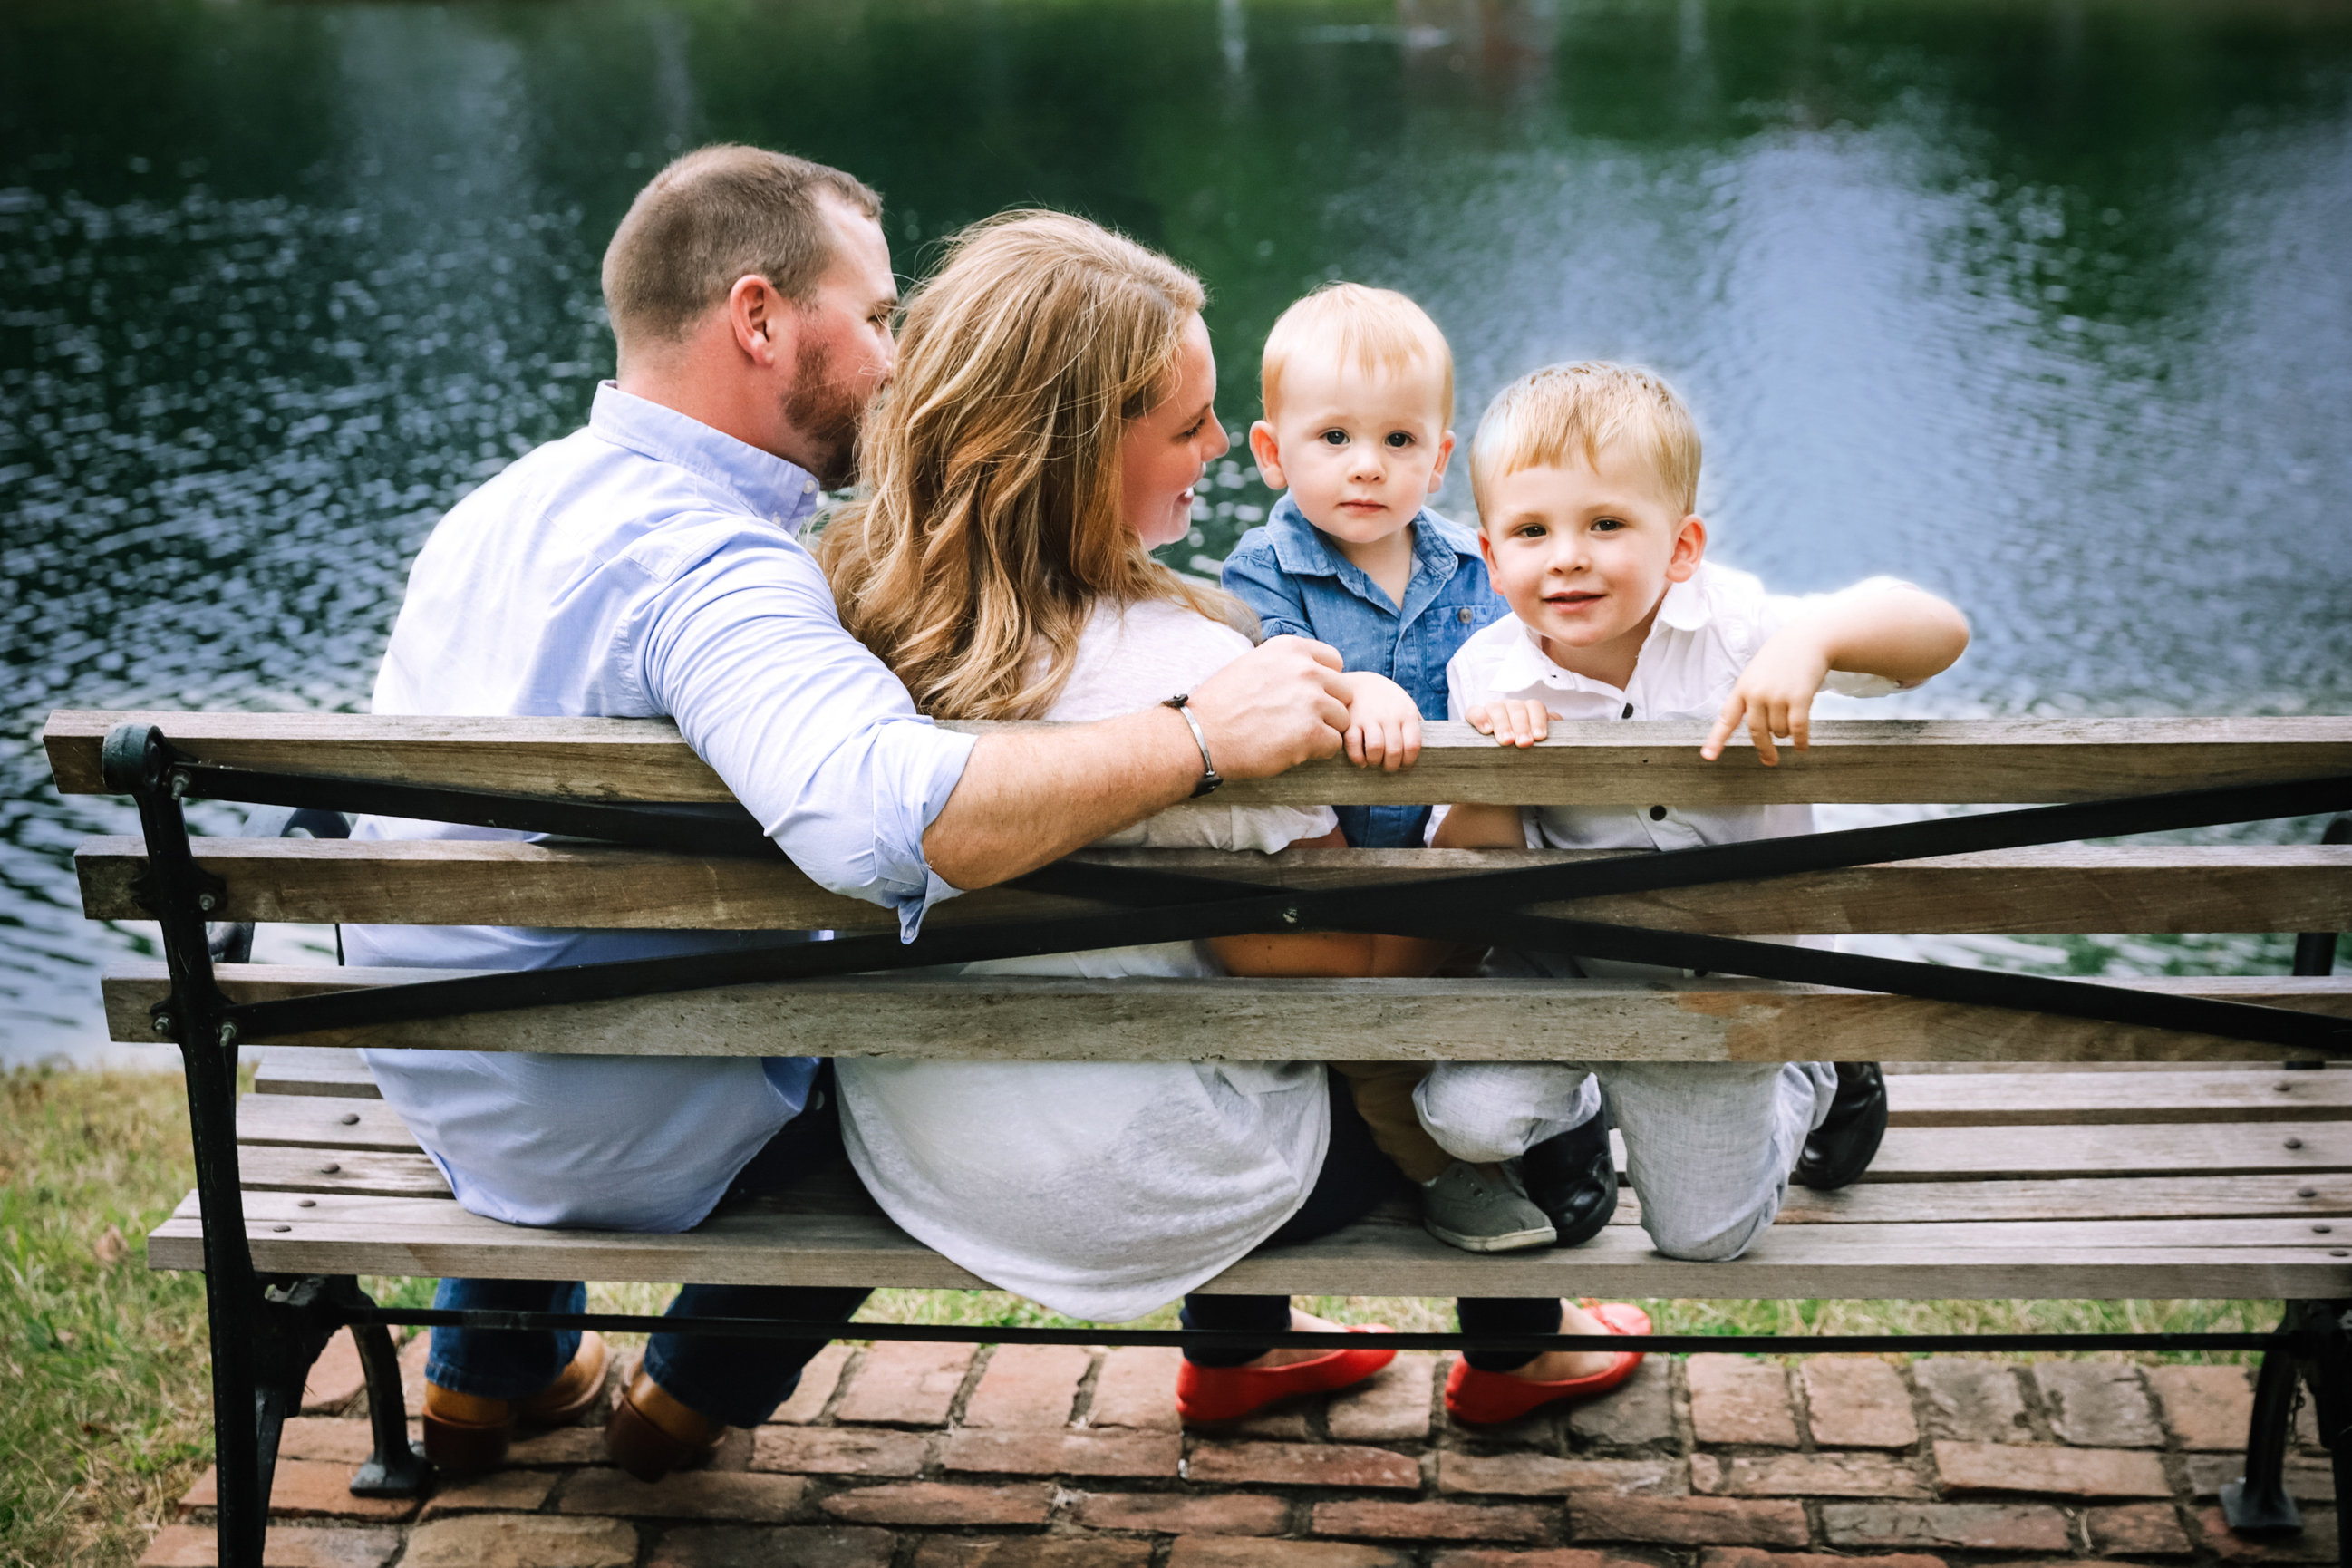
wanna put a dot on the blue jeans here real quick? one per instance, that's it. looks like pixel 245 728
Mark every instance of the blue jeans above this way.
pixel 737 1382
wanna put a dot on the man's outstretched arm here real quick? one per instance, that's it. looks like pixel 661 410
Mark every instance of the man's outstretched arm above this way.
pixel 1030 796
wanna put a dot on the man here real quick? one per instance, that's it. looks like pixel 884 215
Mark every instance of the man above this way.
pixel 647 565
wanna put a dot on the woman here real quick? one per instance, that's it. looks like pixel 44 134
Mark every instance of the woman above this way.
pixel 1051 415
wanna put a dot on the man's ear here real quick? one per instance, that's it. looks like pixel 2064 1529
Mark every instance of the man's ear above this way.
pixel 1690 547
pixel 764 323
pixel 1267 453
pixel 1445 456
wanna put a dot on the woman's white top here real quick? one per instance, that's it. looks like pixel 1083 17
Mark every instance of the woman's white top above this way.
pixel 1103 1190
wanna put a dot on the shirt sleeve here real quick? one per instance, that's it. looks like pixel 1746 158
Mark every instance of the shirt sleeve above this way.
pixel 816 736
pixel 1253 575
pixel 1776 611
pixel 1124 660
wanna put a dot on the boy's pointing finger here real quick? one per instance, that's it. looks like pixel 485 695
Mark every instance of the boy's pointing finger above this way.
pixel 1727 719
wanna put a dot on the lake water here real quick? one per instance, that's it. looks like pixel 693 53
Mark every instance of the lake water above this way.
pixel 2044 303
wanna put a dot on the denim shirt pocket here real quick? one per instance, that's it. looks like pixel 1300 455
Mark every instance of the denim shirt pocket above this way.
pixel 1464 607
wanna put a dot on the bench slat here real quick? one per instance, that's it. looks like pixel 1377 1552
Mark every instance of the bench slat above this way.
pixel 1387 1255
pixel 376 1174
pixel 1633 763
pixel 1965 1099
pixel 263 1167
pixel 1165 1020
pixel 2264 887
pixel 2077 1198
pixel 313 1069
pixel 1916 1099
pixel 328 1125
pixel 1908 1155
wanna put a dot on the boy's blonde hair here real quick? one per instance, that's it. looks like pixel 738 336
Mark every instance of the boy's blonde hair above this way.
pixel 989 524
pixel 1373 330
pixel 1566 413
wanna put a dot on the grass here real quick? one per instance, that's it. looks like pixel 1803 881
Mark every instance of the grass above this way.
pixel 107 1418
pixel 107 1421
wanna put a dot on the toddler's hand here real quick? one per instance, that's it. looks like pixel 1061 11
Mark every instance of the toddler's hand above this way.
pixel 1514 721
pixel 1774 695
pixel 1383 723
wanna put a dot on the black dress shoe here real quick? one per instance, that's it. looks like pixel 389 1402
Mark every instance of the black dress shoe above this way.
pixel 1573 1178
pixel 1843 1146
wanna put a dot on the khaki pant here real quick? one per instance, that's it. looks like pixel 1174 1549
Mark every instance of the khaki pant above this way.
pixel 1384 1099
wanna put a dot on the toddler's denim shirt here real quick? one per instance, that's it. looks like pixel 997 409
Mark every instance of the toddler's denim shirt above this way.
pixel 1290 574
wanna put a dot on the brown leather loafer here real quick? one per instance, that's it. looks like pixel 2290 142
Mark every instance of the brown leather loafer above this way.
pixel 650 1433
pixel 465 1434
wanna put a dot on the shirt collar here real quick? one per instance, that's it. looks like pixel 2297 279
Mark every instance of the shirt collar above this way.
pixel 1686 607
pixel 783 493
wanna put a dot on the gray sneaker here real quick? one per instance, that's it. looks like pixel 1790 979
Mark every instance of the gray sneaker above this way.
pixel 1464 1209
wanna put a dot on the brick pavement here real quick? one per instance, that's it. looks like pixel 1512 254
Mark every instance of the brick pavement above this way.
pixel 906 1456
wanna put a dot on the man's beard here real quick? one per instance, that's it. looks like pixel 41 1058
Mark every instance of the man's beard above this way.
pixel 827 415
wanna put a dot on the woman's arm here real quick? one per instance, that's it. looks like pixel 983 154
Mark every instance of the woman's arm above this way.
pixel 1328 954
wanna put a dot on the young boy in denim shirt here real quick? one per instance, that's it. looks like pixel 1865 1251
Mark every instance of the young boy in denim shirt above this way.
pixel 1358 392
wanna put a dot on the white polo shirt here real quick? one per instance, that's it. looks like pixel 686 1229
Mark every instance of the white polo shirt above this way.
pixel 1707 630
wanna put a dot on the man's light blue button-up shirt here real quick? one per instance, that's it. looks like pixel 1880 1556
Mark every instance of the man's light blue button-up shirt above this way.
pixel 1289 573
pixel 645 566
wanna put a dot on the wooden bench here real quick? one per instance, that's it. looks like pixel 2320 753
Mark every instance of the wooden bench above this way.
pixel 2214 1171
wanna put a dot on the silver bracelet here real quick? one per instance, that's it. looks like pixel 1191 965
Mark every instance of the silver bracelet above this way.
pixel 1210 777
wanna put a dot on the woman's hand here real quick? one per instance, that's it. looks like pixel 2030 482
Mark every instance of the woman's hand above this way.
pixel 1774 694
pixel 1383 723
pixel 1514 721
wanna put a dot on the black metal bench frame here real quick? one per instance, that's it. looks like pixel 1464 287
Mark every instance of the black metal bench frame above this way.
pixel 265 1330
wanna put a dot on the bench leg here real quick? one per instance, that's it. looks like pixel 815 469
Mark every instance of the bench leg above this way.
pixel 2257 1503
pixel 2327 1369
pixel 397 1467
pixel 232 1306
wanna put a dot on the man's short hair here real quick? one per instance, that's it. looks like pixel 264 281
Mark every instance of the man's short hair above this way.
pixel 1373 330
pixel 713 216
pixel 1566 413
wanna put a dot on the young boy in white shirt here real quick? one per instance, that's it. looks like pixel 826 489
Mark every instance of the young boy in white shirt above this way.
pixel 1586 477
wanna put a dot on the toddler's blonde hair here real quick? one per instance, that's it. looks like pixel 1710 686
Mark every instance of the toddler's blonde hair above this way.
pixel 1565 412
pixel 1373 330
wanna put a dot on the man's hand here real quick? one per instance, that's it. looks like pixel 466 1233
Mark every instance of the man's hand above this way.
pixel 1383 723
pixel 1282 703
pixel 1774 694
pixel 1514 721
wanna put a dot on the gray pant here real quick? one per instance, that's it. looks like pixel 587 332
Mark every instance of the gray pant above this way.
pixel 1708 1146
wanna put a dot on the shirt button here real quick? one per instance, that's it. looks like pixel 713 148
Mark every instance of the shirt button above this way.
pixel 1463 615
pixel 1657 813
pixel 808 486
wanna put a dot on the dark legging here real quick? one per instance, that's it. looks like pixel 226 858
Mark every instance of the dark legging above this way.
pixel 1355 1178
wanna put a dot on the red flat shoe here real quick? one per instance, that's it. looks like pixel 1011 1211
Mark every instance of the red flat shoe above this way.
pixel 1228 1392
pixel 1489 1398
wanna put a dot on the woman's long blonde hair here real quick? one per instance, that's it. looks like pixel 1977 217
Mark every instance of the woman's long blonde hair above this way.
pixel 989 525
